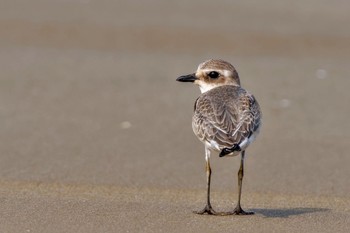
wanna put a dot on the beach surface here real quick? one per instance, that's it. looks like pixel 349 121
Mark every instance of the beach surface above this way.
pixel 96 133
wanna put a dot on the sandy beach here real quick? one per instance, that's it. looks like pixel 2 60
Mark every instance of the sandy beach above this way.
pixel 96 133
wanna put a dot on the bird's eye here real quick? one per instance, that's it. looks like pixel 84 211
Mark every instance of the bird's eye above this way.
pixel 213 74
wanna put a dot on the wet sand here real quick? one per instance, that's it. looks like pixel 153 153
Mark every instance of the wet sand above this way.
pixel 96 134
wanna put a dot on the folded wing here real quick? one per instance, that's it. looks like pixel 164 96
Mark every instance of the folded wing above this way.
pixel 226 116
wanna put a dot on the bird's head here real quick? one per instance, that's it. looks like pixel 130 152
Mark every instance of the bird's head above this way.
pixel 211 74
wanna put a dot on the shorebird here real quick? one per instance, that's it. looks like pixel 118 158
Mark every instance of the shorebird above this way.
pixel 226 119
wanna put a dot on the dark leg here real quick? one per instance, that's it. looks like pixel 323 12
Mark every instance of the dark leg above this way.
pixel 238 210
pixel 208 209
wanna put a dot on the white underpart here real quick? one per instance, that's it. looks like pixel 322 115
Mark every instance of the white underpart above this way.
pixel 213 145
pixel 204 87
pixel 247 141
pixel 207 153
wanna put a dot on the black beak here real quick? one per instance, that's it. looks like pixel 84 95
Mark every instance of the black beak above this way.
pixel 187 78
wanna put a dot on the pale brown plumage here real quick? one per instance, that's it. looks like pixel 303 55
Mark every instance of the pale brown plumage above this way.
pixel 226 118
pixel 225 115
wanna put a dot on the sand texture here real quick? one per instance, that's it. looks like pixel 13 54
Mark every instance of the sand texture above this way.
pixel 95 132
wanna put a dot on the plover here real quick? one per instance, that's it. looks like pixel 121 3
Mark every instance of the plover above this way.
pixel 226 119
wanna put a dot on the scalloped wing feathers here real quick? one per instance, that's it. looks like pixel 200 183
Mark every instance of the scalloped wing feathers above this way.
pixel 225 115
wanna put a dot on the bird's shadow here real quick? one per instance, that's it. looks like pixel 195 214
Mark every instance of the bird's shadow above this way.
pixel 285 213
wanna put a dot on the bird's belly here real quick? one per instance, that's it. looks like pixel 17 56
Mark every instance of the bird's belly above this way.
pixel 214 146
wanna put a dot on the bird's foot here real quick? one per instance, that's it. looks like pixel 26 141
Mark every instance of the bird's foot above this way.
pixel 227 151
pixel 207 210
pixel 237 211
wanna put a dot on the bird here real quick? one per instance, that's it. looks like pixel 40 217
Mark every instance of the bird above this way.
pixel 227 119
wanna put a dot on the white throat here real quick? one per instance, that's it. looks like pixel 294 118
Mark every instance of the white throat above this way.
pixel 204 87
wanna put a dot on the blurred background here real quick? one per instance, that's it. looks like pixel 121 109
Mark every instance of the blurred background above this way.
pixel 88 92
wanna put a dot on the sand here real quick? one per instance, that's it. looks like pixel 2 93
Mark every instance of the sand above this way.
pixel 96 133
